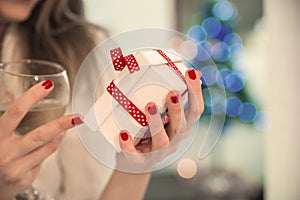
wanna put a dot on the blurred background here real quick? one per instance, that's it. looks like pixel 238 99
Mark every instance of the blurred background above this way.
pixel 255 45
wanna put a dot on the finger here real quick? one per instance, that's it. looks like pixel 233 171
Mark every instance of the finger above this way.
pixel 43 134
pixel 195 100
pixel 159 136
pixel 177 121
pixel 154 119
pixel 16 174
pixel 35 170
pixel 36 157
pixel 32 174
pixel 15 113
pixel 128 149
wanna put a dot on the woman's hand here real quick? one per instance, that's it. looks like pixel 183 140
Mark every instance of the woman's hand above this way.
pixel 164 141
pixel 21 156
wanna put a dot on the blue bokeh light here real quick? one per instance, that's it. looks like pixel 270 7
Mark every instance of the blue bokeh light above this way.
pixel 218 41
pixel 233 105
pixel 220 52
pixel 222 77
pixel 235 51
pixel 224 10
pixel 197 33
pixel 212 26
pixel 209 75
pixel 234 82
pixel 235 45
pixel 248 112
pixel 216 103
pixel 204 51
pixel 225 30
pixel 233 39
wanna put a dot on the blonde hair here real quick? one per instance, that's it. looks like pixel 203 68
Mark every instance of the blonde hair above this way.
pixel 58 31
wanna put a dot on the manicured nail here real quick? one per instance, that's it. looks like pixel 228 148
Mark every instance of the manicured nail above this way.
pixel 152 109
pixel 76 121
pixel 174 98
pixel 192 74
pixel 124 135
pixel 47 84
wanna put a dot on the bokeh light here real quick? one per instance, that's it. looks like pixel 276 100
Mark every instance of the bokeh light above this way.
pixel 197 33
pixel 175 43
pixel 233 39
pixel 224 10
pixel 187 168
pixel 233 105
pixel 234 82
pixel 235 51
pixel 218 41
pixel 225 30
pixel 235 45
pixel 220 51
pixel 248 112
pixel 188 49
pixel 212 26
pixel 204 51
pixel 222 77
pixel 216 103
pixel 209 75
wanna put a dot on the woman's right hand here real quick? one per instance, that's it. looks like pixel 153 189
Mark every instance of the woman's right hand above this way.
pixel 21 156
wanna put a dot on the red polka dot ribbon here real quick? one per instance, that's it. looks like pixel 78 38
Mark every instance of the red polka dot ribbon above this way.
pixel 121 98
pixel 131 63
pixel 119 61
pixel 171 64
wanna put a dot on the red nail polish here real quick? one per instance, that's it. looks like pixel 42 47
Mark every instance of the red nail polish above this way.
pixel 47 84
pixel 124 135
pixel 174 99
pixel 152 109
pixel 192 74
pixel 76 121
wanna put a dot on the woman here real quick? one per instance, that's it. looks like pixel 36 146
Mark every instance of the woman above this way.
pixel 56 30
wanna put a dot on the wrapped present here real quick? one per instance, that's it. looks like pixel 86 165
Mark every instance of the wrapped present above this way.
pixel 147 76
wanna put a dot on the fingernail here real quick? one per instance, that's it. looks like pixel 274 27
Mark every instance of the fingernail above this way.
pixel 152 109
pixel 124 135
pixel 174 98
pixel 192 74
pixel 47 84
pixel 76 121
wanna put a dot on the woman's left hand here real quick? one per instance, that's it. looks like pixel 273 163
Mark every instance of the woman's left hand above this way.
pixel 164 141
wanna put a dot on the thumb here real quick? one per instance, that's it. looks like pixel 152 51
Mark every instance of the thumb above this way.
pixel 126 142
pixel 128 148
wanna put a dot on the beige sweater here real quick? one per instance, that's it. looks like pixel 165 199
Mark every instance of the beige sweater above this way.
pixel 71 173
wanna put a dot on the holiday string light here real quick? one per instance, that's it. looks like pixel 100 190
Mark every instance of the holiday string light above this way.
pixel 219 42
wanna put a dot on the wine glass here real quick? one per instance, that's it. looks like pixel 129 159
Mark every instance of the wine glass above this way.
pixel 18 76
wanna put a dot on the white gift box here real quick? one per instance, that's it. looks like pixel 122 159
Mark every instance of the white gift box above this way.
pixel 151 83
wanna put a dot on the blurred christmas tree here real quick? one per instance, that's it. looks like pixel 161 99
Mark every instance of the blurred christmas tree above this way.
pixel 218 42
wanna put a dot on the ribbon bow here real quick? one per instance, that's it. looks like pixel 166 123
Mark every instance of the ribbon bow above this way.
pixel 119 61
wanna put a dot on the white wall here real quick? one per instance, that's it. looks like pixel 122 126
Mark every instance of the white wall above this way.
pixel 124 15
pixel 283 139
